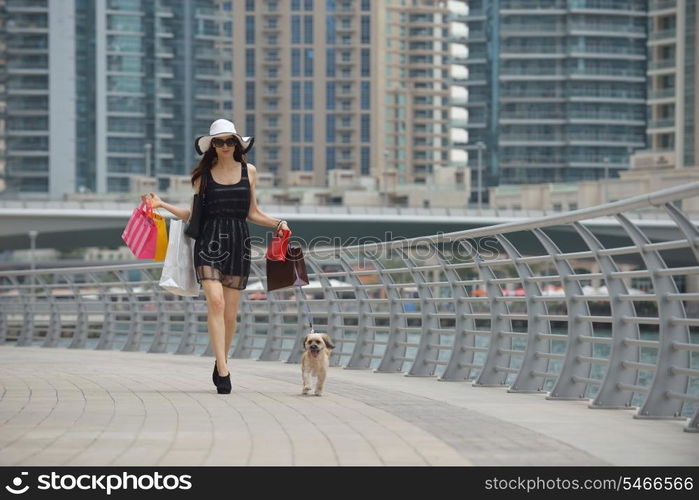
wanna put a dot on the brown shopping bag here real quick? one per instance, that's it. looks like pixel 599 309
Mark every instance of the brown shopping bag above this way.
pixel 289 272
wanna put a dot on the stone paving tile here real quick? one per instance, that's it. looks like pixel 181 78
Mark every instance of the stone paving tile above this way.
pixel 83 407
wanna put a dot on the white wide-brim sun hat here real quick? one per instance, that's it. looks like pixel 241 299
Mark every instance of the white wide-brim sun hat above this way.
pixel 219 128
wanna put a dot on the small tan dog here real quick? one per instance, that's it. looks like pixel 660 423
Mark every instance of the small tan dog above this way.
pixel 315 360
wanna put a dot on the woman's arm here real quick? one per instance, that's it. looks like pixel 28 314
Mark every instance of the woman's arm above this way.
pixel 255 215
pixel 181 213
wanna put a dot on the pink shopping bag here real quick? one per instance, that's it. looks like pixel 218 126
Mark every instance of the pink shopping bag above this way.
pixel 141 233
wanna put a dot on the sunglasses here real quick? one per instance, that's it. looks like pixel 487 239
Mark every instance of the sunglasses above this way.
pixel 217 142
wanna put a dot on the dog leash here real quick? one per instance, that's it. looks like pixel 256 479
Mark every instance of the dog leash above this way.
pixel 307 310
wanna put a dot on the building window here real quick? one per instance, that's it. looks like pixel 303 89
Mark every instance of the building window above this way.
pixel 330 5
pixel 366 95
pixel 308 64
pixel 330 63
pixel 296 127
pixel 308 29
pixel 366 29
pixel 308 128
pixel 295 95
pixel 249 125
pixel 250 5
pixel 364 165
pixel 366 62
pixel 308 158
pixel 308 95
pixel 308 5
pixel 330 158
pixel 295 62
pixel 250 95
pixel 295 29
pixel 366 5
pixel 295 5
pixel 330 128
pixel 295 158
pixel 366 124
pixel 330 33
pixel 250 29
pixel 330 95
pixel 250 62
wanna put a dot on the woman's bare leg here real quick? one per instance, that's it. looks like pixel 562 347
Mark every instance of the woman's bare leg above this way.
pixel 216 305
pixel 231 298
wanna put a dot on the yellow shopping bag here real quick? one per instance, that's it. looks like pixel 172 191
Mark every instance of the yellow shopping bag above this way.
pixel 161 242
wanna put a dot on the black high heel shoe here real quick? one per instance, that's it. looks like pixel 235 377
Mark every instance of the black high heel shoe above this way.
pixel 215 377
pixel 223 386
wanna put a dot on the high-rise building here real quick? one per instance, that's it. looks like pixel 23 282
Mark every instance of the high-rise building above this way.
pixel 98 91
pixel 557 88
pixel 672 84
pixel 359 85
pixel 101 91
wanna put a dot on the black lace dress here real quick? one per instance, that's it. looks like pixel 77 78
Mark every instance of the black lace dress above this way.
pixel 222 250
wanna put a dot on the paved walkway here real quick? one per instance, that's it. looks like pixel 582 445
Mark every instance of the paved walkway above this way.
pixel 84 407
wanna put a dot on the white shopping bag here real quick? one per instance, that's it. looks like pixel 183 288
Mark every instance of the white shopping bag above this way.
pixel 178 275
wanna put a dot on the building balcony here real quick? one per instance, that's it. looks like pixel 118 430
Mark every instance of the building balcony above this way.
pixel 662 65
pixel 613 30
pixel 662 36
pixel 529 29
pixel 661 124
pixel 661 94
pixel 661 5
pixel 474 15
pixel 609 5
pixel 476 36
pixel 27 7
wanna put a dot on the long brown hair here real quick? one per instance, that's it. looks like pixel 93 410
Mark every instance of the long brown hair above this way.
pixel 208 160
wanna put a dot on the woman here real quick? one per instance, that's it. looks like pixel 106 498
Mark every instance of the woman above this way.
pixel 222 250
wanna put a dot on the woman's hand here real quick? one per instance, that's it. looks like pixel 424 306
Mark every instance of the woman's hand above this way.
pixel 154 201
pixel 283 226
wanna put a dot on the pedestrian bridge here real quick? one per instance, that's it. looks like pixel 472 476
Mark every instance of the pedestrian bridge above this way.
pixel 456 348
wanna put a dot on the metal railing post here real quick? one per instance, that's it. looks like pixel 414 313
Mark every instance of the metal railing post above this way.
pixel 657 404
pixel 611 395
pixel 574 378
pixel 527 379
pixel 160 336
pixel 133 339
pixel 54 327
pixel 363 346
pixel 189 327
pixel 497 362
pixel 424 364
pixel 461 361
pixel 106 337
pixel 26 336
pixel 394 355
pixel 79 337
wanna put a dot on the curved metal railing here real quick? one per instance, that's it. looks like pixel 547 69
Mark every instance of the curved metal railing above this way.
pixel 542 305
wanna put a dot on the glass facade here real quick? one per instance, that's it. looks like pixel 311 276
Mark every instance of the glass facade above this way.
pixel 690 84
pixel 149 76
pixel 24 70
pixel 557 94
